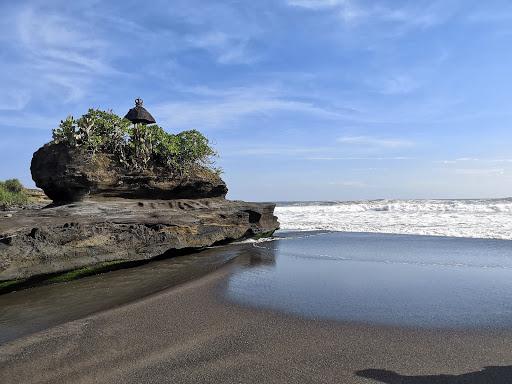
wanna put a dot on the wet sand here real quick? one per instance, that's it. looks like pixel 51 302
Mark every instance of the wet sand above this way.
pixel 191 334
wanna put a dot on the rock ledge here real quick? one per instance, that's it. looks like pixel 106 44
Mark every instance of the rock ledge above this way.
pixel 61 238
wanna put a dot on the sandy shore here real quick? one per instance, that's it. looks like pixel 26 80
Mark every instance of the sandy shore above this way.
pixel 189 334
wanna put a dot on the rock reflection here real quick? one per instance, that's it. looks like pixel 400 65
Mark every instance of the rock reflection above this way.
pixel 31 310
pixel 256 255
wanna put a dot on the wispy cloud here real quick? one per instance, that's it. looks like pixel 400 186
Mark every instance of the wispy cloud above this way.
pixel 355 12
pixel 479 171
pixel 14 99
pixel 349 184
pixel 317 4
pixel 396 84
pixel 227 49
pixel 219 109
pixel 341 158
pixel 474 159
pixel 346 10
pixel 52 38
pixel 375 141
pixel 274 150
pixel 57 54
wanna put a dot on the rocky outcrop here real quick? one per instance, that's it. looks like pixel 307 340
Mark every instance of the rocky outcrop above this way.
pixel 103 213
pixel 65 237
pixel 69 174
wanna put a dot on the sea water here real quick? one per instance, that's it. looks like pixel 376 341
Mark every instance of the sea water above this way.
pixel 397 280
pixel 478 218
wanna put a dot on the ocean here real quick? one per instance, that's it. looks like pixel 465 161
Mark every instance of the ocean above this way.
pixel 473 218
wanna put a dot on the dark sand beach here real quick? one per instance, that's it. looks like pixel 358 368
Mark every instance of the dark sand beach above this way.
pixel 197 332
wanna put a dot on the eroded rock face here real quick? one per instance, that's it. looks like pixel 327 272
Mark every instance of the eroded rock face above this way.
pixel 67 175
pixel 42 241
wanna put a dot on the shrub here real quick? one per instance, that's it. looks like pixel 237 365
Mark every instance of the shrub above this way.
pixel 194 148
pixel 137 147
pixel 13 185
pixel 12 193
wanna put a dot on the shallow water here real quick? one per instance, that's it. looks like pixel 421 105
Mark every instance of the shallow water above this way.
pixel 402 280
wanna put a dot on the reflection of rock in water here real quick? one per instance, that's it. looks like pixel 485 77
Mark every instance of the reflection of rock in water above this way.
pixel 253 255
pixel 31 310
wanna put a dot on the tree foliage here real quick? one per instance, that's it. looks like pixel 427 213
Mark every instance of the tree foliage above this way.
pixel 136 147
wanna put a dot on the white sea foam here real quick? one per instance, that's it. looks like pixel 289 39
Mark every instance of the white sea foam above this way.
pixel 485 218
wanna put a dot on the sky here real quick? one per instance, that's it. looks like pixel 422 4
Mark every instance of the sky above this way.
pixel 303 99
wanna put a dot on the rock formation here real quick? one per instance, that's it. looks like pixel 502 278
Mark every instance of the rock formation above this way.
pixel 105 213
pixel 69 174
pixel 65 237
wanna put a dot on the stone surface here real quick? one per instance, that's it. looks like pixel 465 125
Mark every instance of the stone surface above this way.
pixel 67 175
pixel 55 239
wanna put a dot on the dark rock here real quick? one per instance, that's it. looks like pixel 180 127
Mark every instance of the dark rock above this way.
pixel 127 216
pixel 69 174
pixel 61 238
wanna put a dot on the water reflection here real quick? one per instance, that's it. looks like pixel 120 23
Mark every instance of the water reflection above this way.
pixel 373 278
pixel 34 309
pixel 384 279
pixel 258 255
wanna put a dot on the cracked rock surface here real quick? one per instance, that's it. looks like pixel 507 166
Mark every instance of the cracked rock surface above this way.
pixel 60 238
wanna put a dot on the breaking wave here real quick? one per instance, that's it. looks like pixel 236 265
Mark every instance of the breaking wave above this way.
pixel 478 218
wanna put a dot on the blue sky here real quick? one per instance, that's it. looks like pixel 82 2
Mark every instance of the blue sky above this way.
pixel 304 99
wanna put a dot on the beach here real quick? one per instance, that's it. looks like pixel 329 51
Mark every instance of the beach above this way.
pixel 186 335
pixel 200 331
pixel 291 191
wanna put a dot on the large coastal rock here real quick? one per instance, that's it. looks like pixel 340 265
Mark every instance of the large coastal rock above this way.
pixel 65 237
pixel 103 213
pixel 69 174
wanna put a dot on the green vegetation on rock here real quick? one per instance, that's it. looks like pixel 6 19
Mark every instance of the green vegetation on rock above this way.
pixel 136 147
pixel 12 193
pixel 62 277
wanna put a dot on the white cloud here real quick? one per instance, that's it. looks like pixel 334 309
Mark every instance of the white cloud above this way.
pixel 226 48
pixel 271 150
pixel 473 159
pixel 58 54
pixel 480 171
pixel 13 99
pixel 347 10
pixel 214 108
pixel 334 158
pixel 355 12
pixel 375 141
pixel 316 4
pixel 51 38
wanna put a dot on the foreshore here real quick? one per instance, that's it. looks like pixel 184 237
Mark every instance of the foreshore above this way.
pixel 191 333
